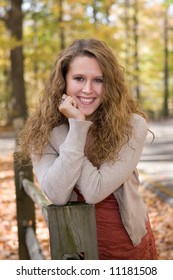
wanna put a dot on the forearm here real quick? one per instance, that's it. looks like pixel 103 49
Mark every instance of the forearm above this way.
pixel 96 184
pixel 60 167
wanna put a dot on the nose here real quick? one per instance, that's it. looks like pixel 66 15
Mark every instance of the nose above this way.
pixel 87 87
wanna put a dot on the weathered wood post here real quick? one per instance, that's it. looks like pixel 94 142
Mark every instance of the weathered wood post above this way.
pixel 24 204
pixel 72 230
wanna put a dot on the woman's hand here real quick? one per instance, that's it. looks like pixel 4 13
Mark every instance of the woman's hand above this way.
pixel 68 108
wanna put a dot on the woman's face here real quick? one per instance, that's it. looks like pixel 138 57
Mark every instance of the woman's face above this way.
pixel 84 83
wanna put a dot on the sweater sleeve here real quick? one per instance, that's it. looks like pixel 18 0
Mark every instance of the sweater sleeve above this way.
pixel 60 166
pixel 96 184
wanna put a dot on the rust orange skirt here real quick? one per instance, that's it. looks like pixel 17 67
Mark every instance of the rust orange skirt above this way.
pixel 113 241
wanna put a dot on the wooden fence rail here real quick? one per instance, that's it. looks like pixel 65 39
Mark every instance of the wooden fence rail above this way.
pixel 72 227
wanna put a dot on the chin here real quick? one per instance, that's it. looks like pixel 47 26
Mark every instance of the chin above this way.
pixel 87 115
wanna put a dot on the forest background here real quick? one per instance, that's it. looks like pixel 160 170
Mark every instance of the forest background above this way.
pixel 32 32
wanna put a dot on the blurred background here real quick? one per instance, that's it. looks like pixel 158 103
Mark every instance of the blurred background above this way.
pixel 32 32
pixel 140 33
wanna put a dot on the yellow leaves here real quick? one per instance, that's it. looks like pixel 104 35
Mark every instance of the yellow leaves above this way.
pixel 82 2
pixel 6 41
pixel 3 3
pixel 4 38
pixel 14 43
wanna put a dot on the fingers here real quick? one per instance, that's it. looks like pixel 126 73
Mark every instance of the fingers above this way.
pixel 68 107
pixel 67 100
pixel 62 99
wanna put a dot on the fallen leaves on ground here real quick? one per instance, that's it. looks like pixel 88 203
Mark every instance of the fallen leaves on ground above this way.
pixel 161 218
pixel 160 213
pixel 8 232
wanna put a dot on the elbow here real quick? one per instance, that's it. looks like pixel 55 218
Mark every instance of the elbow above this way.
pixel 92 199
pixel 55 197
pixel 93 195
pixel 57 200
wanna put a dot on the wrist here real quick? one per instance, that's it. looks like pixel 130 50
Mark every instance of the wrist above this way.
pixel 81 118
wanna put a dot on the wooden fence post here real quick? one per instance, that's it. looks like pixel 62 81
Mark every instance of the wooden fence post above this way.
pixel 24 204
pixel 72 230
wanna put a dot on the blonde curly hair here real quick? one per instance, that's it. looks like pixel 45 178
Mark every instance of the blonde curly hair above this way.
pixel 111 127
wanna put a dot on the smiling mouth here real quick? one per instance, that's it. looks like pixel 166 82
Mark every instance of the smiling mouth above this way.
pixel 86 101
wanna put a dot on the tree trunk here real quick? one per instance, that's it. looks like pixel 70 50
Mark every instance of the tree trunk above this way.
pixel 166 68
pixel 14 23
pixel 136 55
pixel 95 11
pixel 61 35
pixel 127 35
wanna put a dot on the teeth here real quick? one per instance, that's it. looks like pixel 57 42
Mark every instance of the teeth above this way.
pixel 87 100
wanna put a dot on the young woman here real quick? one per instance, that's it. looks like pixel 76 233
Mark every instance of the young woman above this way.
pixel 85 140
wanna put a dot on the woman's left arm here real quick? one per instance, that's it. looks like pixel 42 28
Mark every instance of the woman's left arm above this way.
pixel 96 184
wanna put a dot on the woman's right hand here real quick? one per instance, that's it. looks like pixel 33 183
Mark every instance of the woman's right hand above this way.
pixel 68 108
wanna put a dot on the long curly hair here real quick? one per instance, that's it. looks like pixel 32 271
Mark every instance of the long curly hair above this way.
pixel 111 127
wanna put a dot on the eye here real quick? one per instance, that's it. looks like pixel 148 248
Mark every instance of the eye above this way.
pixel 99 80
pixel 79 78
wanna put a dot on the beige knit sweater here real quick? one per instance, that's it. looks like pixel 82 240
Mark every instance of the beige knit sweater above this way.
pixel 64 165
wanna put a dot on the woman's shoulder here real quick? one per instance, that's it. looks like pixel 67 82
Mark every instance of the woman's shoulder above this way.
pixel 60 128
pixel 140 127
pixel 139 122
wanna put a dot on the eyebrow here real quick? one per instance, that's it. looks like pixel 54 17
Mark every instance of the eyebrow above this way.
pixel 79 74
